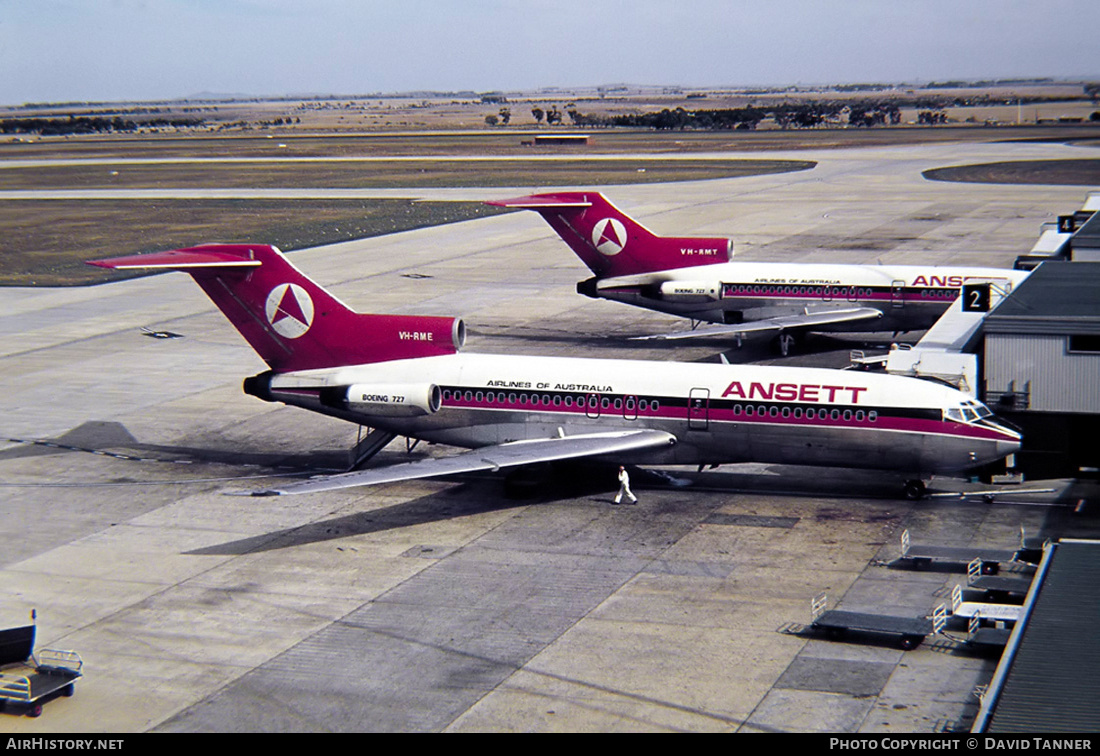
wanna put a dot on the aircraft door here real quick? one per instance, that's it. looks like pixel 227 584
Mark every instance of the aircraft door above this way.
pixel 699 409
pixel 897 291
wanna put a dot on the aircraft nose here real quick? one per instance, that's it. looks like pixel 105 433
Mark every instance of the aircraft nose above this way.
pixel 1008 446
pixel 1009 441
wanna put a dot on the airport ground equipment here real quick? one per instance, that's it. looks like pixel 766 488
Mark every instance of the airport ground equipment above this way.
pixel 911 631
pixel 982 637
pixel 997 587
pixel 922 555
pixel 996 613
pixel 28 679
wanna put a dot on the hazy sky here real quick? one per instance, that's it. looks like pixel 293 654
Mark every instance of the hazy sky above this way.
pixel 66 50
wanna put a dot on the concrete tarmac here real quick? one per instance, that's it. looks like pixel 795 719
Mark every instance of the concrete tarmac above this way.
pixel 444 605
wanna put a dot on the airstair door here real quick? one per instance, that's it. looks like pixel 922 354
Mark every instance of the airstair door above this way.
pixel 897 294
pixel 699 409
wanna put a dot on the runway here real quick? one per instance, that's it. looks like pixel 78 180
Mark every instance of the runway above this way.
pixel 443 605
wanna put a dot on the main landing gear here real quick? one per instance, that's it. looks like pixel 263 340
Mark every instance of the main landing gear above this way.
pixel 914 490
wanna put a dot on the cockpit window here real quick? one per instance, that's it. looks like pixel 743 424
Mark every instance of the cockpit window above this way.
pixel 969 412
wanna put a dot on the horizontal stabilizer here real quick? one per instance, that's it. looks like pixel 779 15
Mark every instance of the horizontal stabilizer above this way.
pixel 214 256
pixel 781 323
pixel 491 458
pixel 543 201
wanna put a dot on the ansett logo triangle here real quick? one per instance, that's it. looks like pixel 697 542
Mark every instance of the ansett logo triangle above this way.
pixel 609 236
pixel 289 310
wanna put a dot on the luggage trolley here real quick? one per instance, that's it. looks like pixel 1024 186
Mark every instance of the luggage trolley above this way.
pixel 922 555
pixel 29 680
pixel 911 631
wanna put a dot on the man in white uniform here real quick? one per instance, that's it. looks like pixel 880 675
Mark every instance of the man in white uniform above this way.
pixel 624 487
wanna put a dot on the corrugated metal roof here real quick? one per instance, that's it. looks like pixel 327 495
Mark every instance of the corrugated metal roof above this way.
pixel 1049 678
pixel 1058 297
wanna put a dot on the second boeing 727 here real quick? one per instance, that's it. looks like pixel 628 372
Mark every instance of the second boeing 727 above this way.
pixel 404 375
pixel 694 278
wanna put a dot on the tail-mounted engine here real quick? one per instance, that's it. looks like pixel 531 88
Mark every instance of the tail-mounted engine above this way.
pixel 689 291
pixel 385 400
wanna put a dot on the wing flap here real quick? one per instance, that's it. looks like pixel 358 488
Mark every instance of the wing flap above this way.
pixel 491 458
pixel 780 323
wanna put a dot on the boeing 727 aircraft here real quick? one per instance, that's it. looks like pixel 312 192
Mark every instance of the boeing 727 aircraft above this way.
pixel 694 278
pixel 404 375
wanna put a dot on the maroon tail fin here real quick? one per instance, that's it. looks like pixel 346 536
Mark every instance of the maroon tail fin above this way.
pixel 291 322
pixel 610 242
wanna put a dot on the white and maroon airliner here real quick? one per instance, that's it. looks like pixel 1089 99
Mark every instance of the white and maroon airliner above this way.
pixel 406 376
pixel 694 278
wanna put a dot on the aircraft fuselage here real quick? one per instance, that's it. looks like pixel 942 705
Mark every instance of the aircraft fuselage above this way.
pixel 718 413
pixel 910 297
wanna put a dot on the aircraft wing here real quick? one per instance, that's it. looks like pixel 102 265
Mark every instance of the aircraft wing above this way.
pixel 780 323
pixel 493 458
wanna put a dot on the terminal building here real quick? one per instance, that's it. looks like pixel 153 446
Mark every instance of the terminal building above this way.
pixel 1040 356
pixel 1031 353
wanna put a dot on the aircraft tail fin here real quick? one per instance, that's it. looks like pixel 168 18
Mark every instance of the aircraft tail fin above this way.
pixel 292 322
pixel 610 242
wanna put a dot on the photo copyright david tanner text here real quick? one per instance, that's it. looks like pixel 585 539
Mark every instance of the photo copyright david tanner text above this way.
pixel 971 743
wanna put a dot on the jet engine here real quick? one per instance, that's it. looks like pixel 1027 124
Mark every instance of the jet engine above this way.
pixel 388 400
pixel 689 291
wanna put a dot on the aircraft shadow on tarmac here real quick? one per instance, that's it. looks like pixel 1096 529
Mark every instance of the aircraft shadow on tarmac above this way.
pixel 112 439
pixel 589 480
pixel 594 484
pixel 467 499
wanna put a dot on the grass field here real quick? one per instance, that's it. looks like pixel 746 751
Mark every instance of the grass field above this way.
pixel 385 174
pixel 46 243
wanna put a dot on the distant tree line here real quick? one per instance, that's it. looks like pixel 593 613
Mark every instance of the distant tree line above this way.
pixel 786 116
pixel 87 125
pixel 806 114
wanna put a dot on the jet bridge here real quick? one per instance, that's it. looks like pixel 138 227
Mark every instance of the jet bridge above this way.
pixel 940 354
